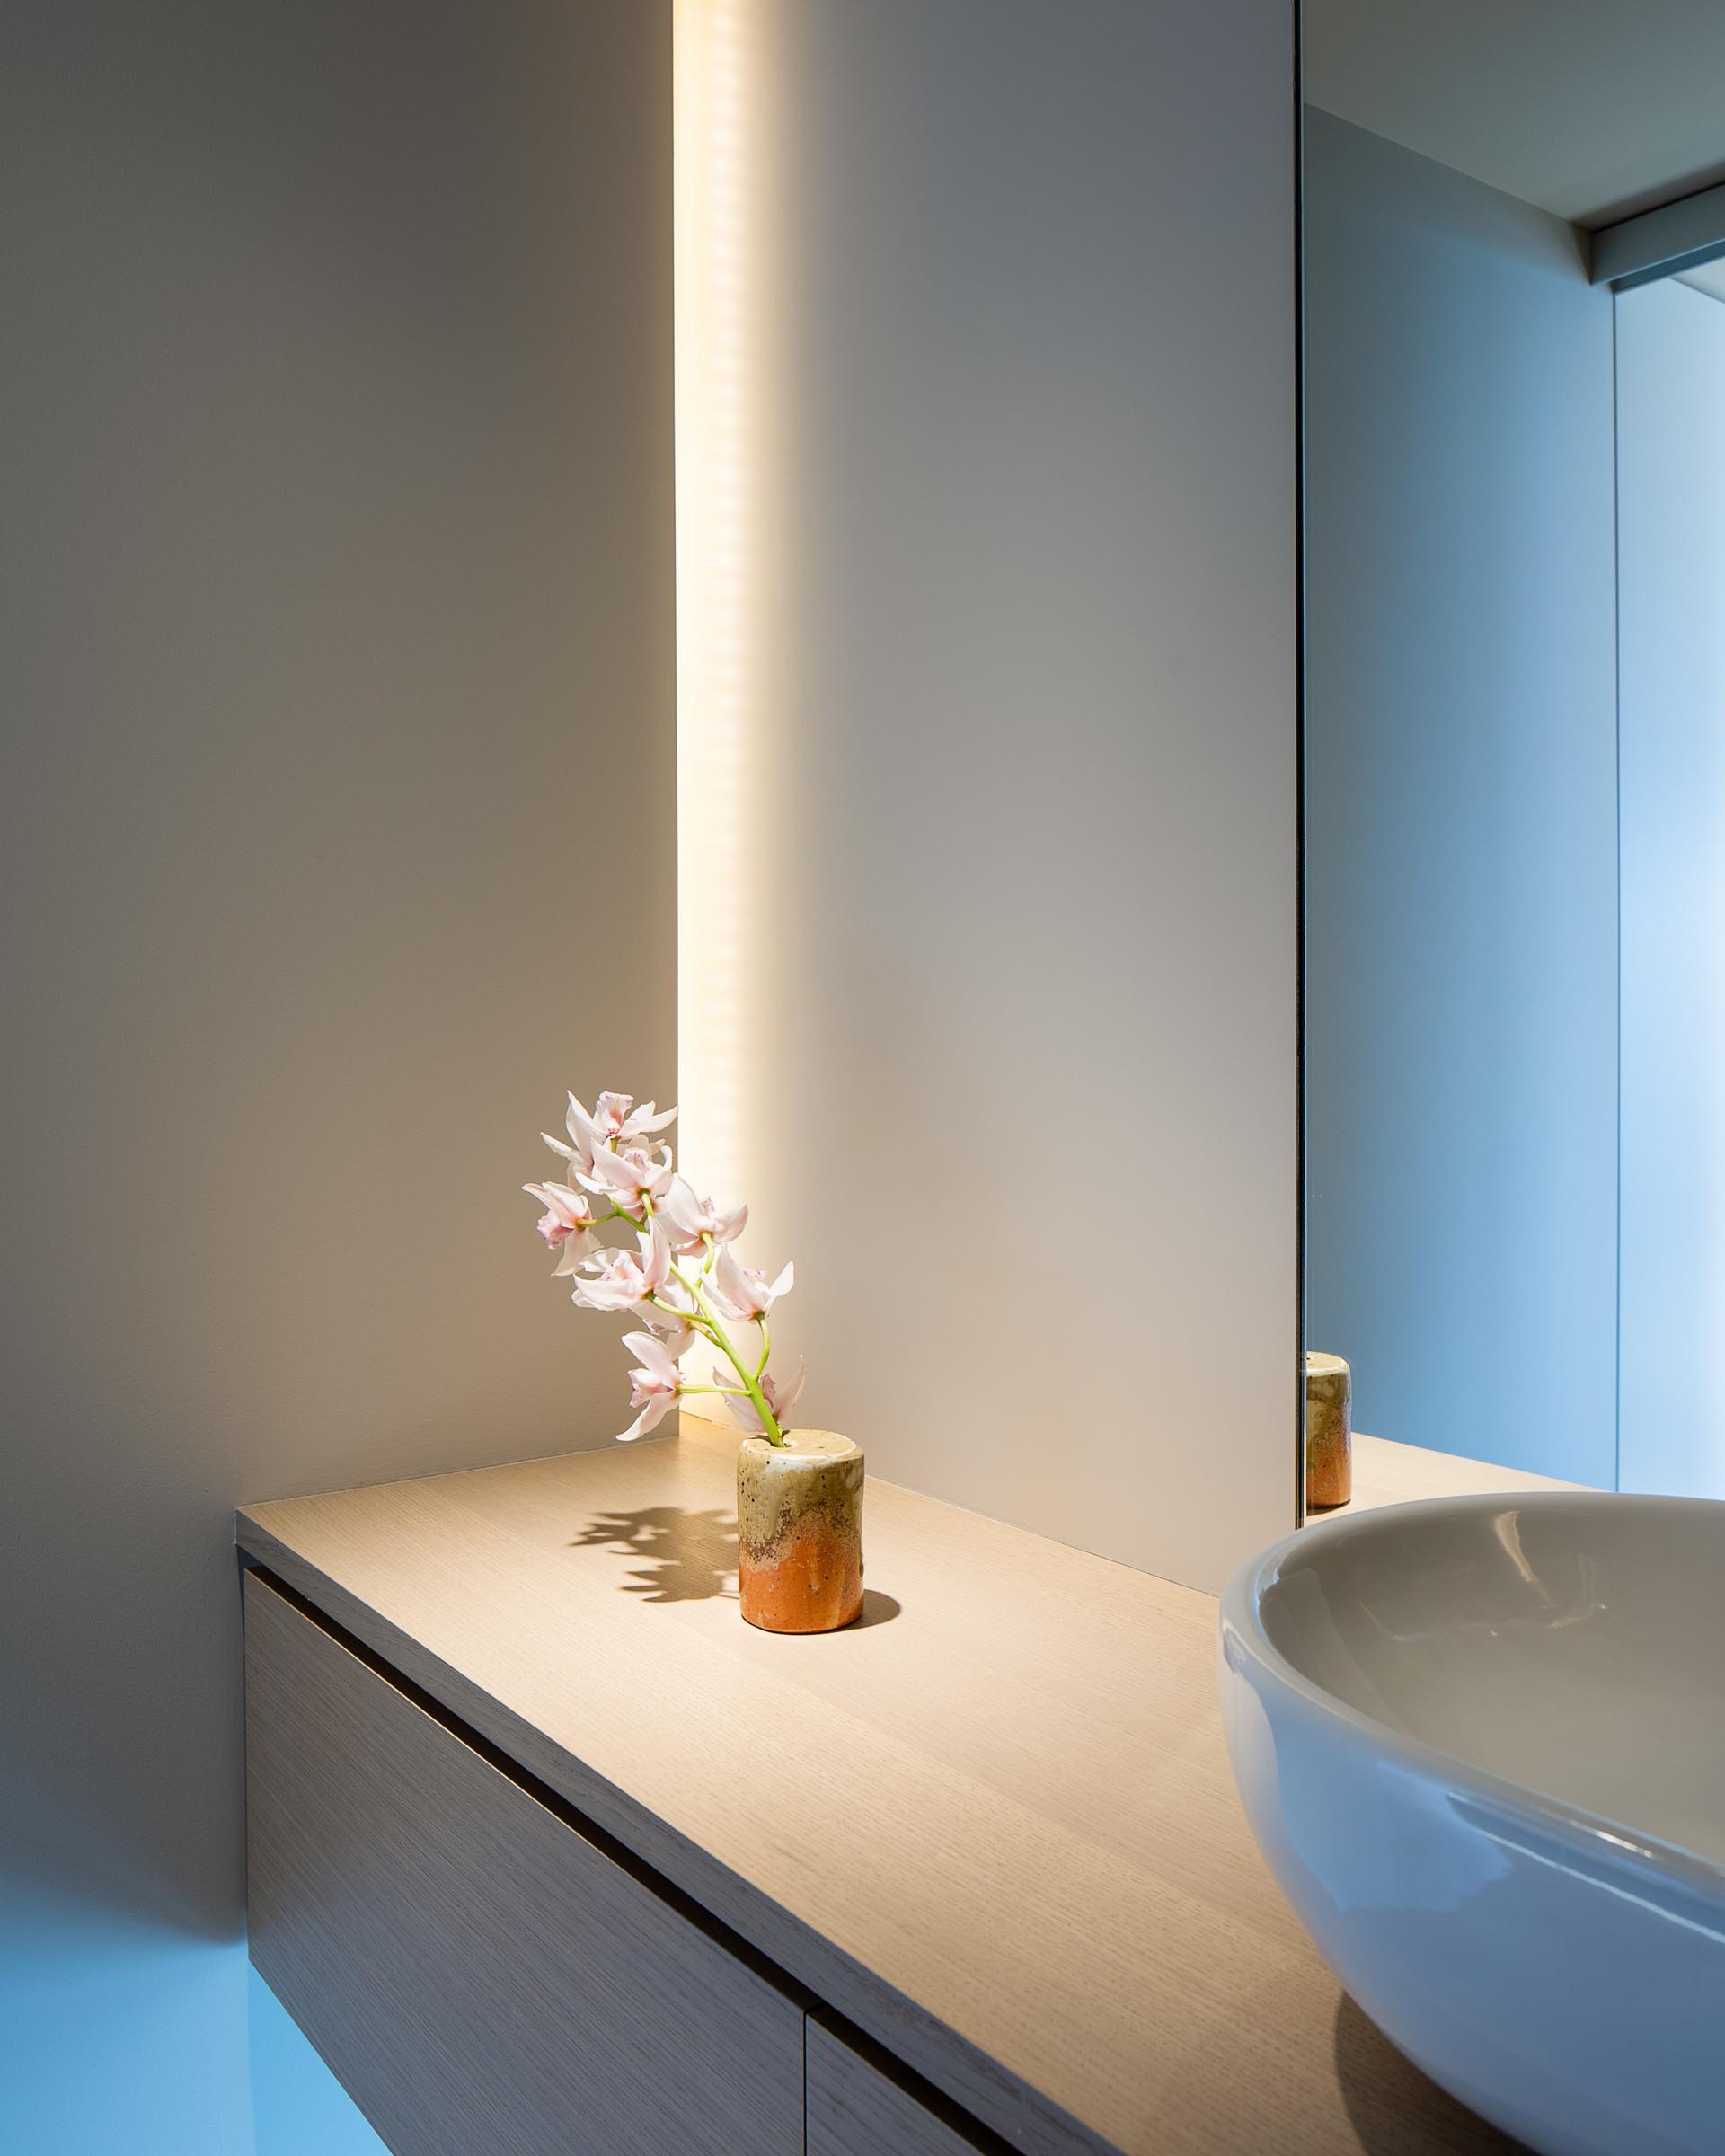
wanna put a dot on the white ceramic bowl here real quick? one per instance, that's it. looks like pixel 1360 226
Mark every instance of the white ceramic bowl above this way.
pixel 1482 1743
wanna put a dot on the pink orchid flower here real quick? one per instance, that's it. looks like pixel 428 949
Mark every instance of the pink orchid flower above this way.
pixel 622 1279
pixel 617 1127
pixel 740 1293
pixel 583 1138
pixel 610 1124
pixel 566 1223
pixel 618 1170
pixel 655 1383
pixel 632 1179
pixel 690 1219
pixel 780 1402
pixel 671 1334
pixel 671 1315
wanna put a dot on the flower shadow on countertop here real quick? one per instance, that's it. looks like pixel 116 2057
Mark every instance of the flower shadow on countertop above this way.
pixel 687 1556
pixel 691 1557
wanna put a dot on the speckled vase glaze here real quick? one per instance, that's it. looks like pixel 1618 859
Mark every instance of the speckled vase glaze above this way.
pixel 800 1532
pixel 1329 1432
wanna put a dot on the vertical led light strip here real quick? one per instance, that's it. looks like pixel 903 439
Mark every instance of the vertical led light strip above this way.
pixel 718 548
pixel 723 818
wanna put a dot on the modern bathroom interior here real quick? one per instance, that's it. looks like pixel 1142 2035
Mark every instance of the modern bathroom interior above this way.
pixel 1083 638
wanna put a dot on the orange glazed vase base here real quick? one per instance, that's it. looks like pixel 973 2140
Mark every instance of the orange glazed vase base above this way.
pixel 800 1532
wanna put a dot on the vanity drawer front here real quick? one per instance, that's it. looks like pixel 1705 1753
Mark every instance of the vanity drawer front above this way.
pixel 861 2103
pixel 484 1978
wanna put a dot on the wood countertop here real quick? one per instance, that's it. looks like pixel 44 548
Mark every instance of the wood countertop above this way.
pixel 993 1824
pixel 1387 1474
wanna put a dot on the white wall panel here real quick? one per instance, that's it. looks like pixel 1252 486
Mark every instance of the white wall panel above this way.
pixel 338 570
pixel 1017 1059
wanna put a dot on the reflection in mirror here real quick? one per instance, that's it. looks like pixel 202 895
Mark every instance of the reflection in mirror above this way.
pixel 1515 554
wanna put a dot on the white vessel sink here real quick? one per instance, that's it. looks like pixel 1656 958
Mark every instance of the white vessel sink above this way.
pixel 1481 1743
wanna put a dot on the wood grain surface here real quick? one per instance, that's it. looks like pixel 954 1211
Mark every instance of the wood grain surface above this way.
pixel 1387 1474
pixel 483 1979
pixel 992 1824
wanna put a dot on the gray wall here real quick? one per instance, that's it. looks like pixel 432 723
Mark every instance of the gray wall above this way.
pixel 1671 482
pixel 1460 811
pixel 1023 1087
pixel 338 556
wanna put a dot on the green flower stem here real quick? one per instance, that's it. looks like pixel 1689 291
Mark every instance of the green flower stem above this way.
pixel 714 1331
pixel 704 1321
pixel 722 1341
pixel 691 1318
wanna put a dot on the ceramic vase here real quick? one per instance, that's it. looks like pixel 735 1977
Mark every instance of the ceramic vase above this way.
pixel 800 1532
pixel 1329 1432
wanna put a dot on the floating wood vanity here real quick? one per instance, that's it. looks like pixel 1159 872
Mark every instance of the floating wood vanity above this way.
pixel 549 1852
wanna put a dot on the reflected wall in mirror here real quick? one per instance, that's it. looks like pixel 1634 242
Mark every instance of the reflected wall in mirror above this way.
pixel 1514 561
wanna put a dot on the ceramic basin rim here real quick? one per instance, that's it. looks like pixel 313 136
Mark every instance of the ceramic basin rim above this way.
pixel 1607 1841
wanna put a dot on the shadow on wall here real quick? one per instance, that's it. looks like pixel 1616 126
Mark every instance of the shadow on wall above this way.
pixel 340 527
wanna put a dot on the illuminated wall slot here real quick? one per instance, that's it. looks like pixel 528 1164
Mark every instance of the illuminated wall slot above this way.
pixel 719 545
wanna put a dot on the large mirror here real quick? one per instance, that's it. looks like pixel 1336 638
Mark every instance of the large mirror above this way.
pixel 1513 381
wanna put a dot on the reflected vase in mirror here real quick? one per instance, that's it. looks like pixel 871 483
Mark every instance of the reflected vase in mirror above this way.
pixel 1329 1432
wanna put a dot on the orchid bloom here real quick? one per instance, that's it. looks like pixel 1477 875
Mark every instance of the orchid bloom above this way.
pixel 583 1139
pixel 633 1180
pixel 672 1335
pixel 616 1125
pixel 739 1293
pixel 566 1224
pixel 690 1220
pixel 621 1279
pixel 672 1311
pixel 610 1125
pixel 655 1383
pixel 780 1400
pixel 681 1283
